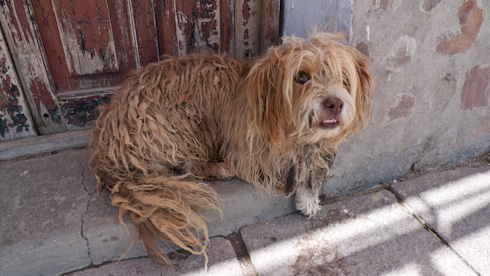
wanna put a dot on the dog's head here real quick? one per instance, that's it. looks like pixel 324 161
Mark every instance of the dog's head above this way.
pixel 309 90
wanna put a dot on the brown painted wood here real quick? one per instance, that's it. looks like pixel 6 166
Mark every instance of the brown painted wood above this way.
pixel 87 38
pixel 15 117
pixel 196 26
pixel 145 30
pixel 87 45
pixel 247 32
pixel 73 54
pixel 90 49
pixel 166 25
pixel 21 32
pixel 269 34
pixel 227 26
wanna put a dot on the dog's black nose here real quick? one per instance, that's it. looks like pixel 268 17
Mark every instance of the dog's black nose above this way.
pixel 333 105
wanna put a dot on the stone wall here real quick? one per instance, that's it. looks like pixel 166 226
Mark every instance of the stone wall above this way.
pixel 431 62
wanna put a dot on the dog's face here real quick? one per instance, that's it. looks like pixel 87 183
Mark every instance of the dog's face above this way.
pixel 306 91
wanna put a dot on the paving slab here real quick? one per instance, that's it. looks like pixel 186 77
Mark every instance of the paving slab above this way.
pixel 365 235
pixel 42 202
pixel 222 261
pixel 456 204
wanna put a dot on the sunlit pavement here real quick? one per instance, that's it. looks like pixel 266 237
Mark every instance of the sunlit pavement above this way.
pixel 437 223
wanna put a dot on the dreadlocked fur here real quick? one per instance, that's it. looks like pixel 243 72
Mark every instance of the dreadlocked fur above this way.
pixel 269 122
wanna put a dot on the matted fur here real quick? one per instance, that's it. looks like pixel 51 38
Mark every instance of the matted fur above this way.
pixel 182 120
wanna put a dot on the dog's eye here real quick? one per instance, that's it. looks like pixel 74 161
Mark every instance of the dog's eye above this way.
pixel 345 84
pixel 302 77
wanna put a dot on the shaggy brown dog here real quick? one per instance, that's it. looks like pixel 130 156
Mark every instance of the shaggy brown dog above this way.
pixel 274 122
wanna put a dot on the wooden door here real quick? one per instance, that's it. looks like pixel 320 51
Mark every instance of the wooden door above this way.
pixel 72 54
pixel 15 117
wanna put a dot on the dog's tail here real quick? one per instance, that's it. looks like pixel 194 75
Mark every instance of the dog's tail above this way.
pixel 164 208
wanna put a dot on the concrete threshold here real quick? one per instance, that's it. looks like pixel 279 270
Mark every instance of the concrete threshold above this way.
pixel 56 223
pixel 436 223
pixel 432 224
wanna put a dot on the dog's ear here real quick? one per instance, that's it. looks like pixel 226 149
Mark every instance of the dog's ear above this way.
pixel 365 86
pixel 269 93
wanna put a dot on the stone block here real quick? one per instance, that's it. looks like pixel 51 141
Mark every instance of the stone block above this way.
pixel 222 262
pixel 366 235
pixel 43 200
pixel 456 205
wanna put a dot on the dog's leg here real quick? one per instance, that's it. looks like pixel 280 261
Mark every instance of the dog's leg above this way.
pixel 307 198
pixel 312 171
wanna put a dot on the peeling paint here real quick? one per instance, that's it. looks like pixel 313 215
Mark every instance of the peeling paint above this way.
pixel 208 23
pixel 80 111
pixel 247 29
pixel 19 26
pixel 86 36
pixel 67 46
pixel 15 120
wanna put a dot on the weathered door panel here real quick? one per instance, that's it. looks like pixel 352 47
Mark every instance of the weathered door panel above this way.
pixel 83 50
pixel 91 46
pixel 193 26
pixel 88 44
pixel 15 118
pixel 269 31
pixel 144 30
pixel 26 47
pixel 87 39
pixel 242 28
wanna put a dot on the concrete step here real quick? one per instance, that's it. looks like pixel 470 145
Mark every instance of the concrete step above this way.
pixel 431 224
pixel 437 223
pixel 54 223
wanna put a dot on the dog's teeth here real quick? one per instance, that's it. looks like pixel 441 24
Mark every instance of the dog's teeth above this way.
pixel 331 121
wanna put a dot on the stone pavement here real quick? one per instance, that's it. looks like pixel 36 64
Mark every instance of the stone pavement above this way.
pixel 437 223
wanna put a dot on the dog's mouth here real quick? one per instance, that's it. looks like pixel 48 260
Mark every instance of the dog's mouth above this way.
pixel 329 123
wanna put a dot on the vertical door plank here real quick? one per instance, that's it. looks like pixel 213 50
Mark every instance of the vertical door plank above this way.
pixel 270 24
pixel 86 34
pixel 166 24
pixel 208 23
pixel 21 33
pixel 204 26
pixel 247 28
pixel 118 52
pixel 127 53
pixel 186 31
pixel 145 30
pixel 15 118
pixel 48 28
pixel 227 26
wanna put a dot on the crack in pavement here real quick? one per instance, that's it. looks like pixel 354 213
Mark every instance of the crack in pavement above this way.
pixel 409 210
pixel 91 194
pixel 242 253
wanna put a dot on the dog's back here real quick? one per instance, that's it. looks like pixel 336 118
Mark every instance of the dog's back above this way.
pixel 157 134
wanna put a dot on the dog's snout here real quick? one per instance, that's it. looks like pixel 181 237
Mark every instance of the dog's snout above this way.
pixel 334 105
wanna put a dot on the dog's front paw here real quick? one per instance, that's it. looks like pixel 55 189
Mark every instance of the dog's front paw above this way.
pixel 307 202
pixel 219 171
